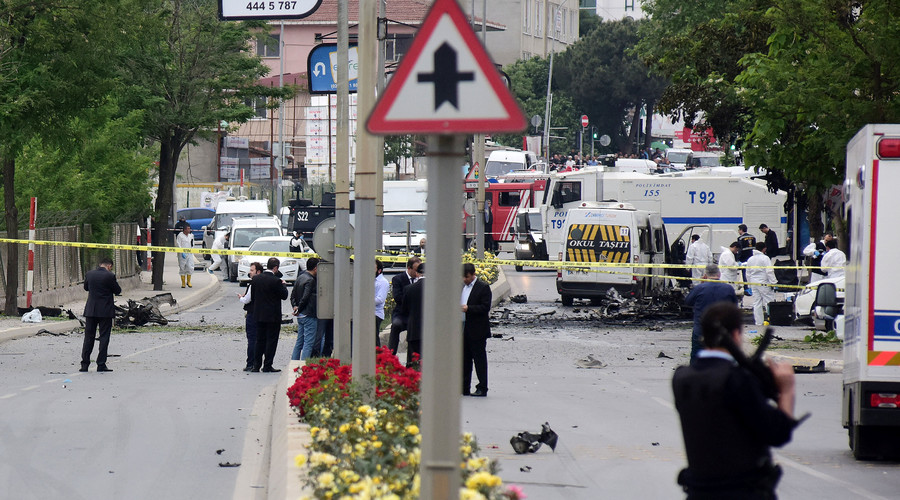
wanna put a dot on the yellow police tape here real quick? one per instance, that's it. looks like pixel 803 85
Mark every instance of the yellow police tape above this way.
pixel 596 267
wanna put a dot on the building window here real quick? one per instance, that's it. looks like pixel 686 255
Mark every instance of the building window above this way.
pixel 538 17
pixel 268 45
pixel 572 25
pixel 259 107
pixel 562 24
pixel 526 17
pixel 396 47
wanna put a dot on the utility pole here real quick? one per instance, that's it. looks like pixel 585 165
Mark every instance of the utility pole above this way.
pixel 365 235
pixel 478 155
pixel 342 300
pixel 279 172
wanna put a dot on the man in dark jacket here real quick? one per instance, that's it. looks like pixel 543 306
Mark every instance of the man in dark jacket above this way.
pixel 704 295
pixel 413 309
pixel 268 292
pixel 304 299
pixel 727 422
pixel 398 288
pixel 476 306
pixel 772 248
pixel 99 310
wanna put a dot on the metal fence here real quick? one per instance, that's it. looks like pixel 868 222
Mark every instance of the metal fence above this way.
pixel 59 267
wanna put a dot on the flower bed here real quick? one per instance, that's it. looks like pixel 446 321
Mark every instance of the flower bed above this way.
pixel 484 270
pixel 371 449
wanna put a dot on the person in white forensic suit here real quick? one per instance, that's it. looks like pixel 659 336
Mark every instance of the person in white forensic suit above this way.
pixel 761 276
pixel 699 255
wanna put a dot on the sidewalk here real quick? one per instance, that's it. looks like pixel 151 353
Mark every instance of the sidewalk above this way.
pixel 204 286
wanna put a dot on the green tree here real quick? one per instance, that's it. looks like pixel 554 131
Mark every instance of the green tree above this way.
pixel 697 46
pixel 55 62
pixel 829 69
pixel 607 82
pixel 529 85
pixel 188 70
pixel 398 147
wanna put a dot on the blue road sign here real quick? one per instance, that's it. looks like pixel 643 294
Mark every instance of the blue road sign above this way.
pixel 322 69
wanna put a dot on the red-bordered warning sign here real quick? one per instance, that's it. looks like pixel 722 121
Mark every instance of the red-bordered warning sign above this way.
pixel 446 84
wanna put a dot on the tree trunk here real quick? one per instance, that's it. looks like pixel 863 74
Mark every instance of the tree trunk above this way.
pixel 12 232
pixel 633 134
pixel 814 215
pixel 168 162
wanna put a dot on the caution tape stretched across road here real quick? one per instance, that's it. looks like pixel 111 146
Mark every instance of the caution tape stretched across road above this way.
pixel 595 267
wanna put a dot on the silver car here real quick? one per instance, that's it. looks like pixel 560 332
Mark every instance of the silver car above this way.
pixel 290 268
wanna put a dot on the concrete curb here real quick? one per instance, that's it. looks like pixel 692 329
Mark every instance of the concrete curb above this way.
pixel 289 439
pixel 500 289
pixel 194 299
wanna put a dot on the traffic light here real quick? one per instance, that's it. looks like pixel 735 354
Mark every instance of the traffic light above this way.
pixel 595 135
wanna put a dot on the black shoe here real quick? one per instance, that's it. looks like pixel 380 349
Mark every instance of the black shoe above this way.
pixel 254 369
pixel 103 368
pixel 248 368
pixel 479 393
pixel 271 370
pixel 83 368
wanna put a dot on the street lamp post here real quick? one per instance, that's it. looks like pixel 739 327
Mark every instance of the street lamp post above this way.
pixel 550 81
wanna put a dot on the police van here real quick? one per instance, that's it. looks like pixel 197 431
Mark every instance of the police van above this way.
pixel 618 235
pixel 871 396
pixel 711 205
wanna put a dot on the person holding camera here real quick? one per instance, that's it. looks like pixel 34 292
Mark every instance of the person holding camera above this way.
pixel 727 422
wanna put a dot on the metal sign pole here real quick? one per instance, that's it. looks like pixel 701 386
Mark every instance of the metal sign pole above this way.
pixel 441 385
pixel 342 283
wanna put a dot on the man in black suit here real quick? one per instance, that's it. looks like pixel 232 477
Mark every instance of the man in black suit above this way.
pixel 413 309
pixel 398 288
pixel 268 292
pixel 99 310
pixel 476 306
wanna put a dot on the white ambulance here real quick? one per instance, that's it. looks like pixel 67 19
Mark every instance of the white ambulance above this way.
pixel 871 401
pixel 612 233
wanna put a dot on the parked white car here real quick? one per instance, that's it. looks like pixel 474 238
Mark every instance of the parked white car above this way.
pixel 805 300
pixel 290 268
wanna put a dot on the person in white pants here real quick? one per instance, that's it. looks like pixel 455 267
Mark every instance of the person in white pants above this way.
pixel 218 244
pixel 185 260
pixel 698 255
pixel 761 276
pixel 728 267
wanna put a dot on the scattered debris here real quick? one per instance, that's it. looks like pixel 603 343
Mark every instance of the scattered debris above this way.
pixel 590 362
pixel 44 331
pixel 45 311
pixel 630 359
pixel 664 355
pixel 505 314
pixel 229 464
pixel 219 452
pixel 507 338
pixel 160 299
pixel 519 299
pixel 527 442
pixel 654 444
pixel 141 313
pixel 33 316
pixel 527 468
pixel 819 368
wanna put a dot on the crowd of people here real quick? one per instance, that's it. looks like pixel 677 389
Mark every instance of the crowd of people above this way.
pixel 575 161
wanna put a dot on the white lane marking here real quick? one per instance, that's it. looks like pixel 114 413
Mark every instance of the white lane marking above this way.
pixel 663 402
pixel 52 380
pixel 30 387
pixel 856 490
pixel 7 396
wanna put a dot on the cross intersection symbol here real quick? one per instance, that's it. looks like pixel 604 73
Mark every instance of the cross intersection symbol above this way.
pixel 445 77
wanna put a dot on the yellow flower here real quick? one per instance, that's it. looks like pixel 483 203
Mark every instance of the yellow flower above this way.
pixel 466 450
pixel 482 479
pixel 300 460
pixel 344 428
pixel 413 429
pixel 467 494
pixel 365 409
pixel 325 479
pixel 325 412
pixel 313 431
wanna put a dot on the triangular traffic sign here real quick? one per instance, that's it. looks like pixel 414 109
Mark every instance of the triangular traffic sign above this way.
pixel 445 84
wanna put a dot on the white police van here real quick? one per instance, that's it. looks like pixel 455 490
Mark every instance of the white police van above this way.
pixel 608 234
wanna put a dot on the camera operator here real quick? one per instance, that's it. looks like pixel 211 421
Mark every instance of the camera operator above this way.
pixel 727 422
